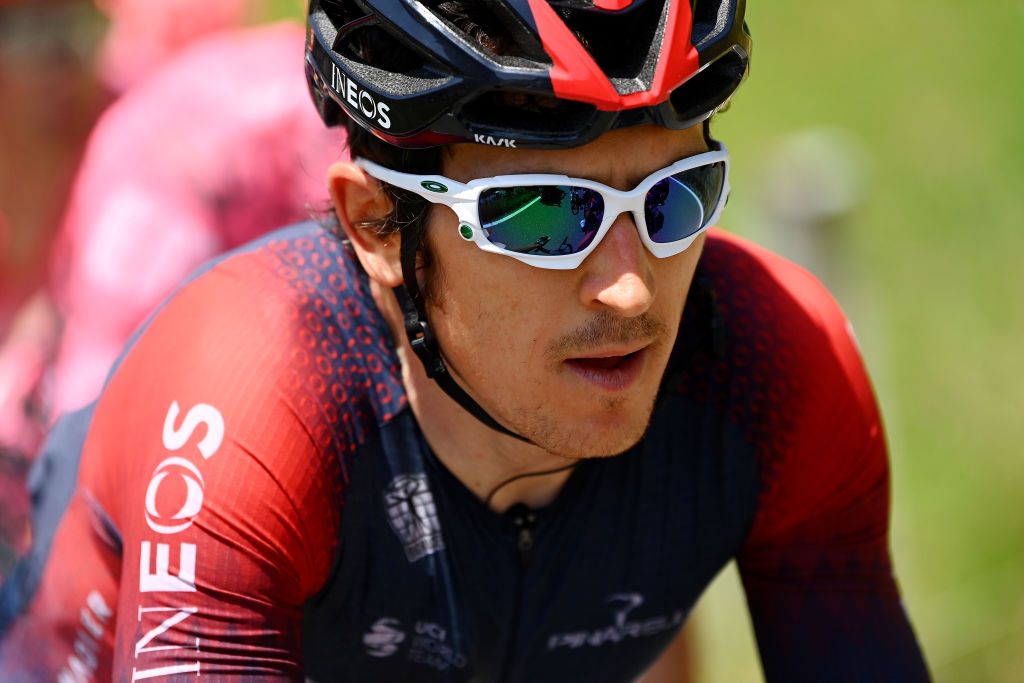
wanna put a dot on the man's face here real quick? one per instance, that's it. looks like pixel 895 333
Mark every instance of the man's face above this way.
pixel 570 359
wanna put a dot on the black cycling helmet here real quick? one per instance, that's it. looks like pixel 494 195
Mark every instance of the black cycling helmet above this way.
pixel 674 63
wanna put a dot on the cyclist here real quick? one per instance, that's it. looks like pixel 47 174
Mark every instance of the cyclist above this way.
pixel 424 454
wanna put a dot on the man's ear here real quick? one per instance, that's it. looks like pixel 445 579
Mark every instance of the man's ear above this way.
pixel 358 199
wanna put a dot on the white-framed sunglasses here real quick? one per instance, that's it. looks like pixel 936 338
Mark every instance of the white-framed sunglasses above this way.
pixel 554 221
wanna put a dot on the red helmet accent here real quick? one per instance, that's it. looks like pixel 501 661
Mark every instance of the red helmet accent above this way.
pixel 576 76
pixel 612 5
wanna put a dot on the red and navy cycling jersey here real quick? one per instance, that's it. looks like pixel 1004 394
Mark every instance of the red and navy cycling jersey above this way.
pixel 255 501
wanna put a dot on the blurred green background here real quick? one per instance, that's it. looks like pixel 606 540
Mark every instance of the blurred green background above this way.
pixel 923 103
pixel 930 96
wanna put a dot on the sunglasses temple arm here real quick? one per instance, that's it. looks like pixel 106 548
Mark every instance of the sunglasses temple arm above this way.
pixel 420 184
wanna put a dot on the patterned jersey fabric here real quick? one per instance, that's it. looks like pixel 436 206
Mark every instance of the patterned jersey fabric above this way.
pixel 255 501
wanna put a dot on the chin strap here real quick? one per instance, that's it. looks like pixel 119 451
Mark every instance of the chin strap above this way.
pixel 423 343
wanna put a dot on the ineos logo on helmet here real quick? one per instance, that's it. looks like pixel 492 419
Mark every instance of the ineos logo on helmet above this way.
pixel 358 99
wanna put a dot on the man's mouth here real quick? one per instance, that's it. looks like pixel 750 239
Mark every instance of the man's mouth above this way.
pixel 609 371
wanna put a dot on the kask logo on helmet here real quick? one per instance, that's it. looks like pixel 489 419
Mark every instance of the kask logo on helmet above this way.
pixel 358 99
pixel 493 141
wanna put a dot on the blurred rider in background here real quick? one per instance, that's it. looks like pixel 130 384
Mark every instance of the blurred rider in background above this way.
pixel 49 100
pixel 177 170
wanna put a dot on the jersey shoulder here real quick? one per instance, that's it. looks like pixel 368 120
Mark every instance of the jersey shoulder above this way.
pixel 771 322
pixel 288 315
pixel 815 563
pixel 275 361
pixel 769 346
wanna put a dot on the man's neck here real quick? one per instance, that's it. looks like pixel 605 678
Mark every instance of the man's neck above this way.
pixel 478 456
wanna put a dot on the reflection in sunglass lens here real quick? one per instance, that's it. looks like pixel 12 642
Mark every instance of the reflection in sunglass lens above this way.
pixel 681 204
pixel 544 220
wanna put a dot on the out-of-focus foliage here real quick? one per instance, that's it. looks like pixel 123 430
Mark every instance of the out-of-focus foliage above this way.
pixel 283 9
pixel 928 269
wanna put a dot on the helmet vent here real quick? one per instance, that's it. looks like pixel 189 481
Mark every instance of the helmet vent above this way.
pixel 372 53
pixel 341 12
pixel 710 87
pixel 491 28
pixel 508 110
pixel 710 20
pixel 360 39
pixel 625 44
pixel 370 45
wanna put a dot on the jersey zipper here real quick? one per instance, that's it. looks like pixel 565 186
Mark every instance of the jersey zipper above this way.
pixel 524 522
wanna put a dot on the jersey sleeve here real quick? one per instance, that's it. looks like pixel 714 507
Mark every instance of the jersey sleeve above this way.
pixel 816 566
pixel 206 513
pixel 212 461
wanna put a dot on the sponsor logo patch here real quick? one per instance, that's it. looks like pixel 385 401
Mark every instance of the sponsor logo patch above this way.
pixel 621 628
pixel 189 475
pixel 413 515
pixel 427 643
pixel 360 100
pixel 383 638
pixel 434 186
pixel 493 141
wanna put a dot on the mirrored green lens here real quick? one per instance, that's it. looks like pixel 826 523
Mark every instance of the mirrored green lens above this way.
pixel 681 204
pixel 543 220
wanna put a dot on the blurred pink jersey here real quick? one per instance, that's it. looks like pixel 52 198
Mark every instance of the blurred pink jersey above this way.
pixel 143 33
pixel 214 148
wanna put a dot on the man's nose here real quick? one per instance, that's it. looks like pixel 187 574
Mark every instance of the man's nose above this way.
pixel 617 275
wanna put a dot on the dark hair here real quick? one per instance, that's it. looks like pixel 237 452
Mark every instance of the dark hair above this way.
pixel 409 209
pixel 410 212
